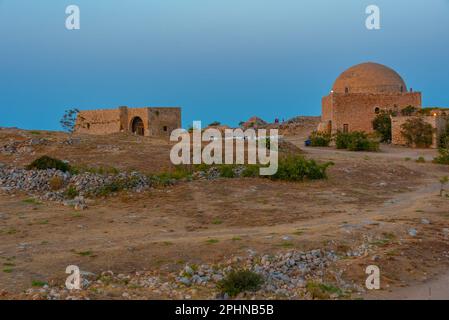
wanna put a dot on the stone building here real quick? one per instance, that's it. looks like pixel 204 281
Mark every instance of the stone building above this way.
pixel 147 121
pixel 361 92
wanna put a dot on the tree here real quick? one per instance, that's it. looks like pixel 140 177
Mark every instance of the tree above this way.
pixel 382 125
pixel 417 132
pixel 68 121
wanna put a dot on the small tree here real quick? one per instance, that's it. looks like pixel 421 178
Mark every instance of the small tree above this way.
pixel 68 121
pixel 382 125
pixel 417 132
pixel 444 180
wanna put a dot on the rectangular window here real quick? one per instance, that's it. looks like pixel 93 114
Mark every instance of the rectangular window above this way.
pixel 345 128
pixel 165 128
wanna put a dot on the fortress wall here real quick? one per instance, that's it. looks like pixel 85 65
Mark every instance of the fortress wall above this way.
pixel 358 109
pixel 142 113
pixel 157 121
pixel 98 121
pixel 164 120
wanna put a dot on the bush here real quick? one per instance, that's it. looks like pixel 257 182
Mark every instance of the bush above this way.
pixel 71 192
pixel 417 133
pixel 297 168
pixel 443 157
pixel 251 171
pixel 443 141
pixel 342 140
pixel 356 141
pixel 361 142
pixel 382 125
pixel 226 171
pixel 238 281
pixel 56 183
pixel 45 162
pixel 320 139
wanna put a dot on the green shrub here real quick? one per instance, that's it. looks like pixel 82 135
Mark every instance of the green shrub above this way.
pixel 320 139
pixel 417 133
pixel 356 141
pixel 342 140
pixel 238 281
pixel 382 125
pixel 443 157
pixel 361 142
pixel 443 141
pixel 71 192
pixel 226 171
pixel 297 168
pixel 251 171
pixel 45 162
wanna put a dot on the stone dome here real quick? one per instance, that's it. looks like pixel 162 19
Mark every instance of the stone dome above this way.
pixel 369 78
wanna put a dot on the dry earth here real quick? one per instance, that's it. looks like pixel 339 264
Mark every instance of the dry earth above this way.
pixel 369 199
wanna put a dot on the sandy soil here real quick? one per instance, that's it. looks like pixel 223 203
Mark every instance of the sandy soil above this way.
pixel 369 198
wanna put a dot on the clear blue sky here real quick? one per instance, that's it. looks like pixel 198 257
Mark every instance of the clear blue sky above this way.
pixel 222 60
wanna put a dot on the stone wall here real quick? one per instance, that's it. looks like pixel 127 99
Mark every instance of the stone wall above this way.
pixel 438 123
pixel 98 121
pixel 357 110
pixel 157 121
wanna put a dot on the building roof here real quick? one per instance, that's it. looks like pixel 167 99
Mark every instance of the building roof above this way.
pixel 369 78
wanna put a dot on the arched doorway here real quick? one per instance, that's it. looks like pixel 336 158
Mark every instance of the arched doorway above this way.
pixel 137 126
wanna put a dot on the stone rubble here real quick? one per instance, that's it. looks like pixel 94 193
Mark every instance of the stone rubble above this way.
pixel 285 276
pixel 38 183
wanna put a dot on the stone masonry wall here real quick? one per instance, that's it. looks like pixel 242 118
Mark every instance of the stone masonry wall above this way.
pixel 358 110
pixel 437 122
pixel 157 121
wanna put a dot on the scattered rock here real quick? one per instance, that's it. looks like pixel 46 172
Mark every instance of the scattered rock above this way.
pixel 412 232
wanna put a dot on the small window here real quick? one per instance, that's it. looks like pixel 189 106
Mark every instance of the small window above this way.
pixel 165 128
pixel 345 128
pixel 377 110
pixel 402 88
pixel 346 90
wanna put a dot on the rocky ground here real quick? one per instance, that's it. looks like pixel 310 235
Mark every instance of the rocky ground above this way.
pixel 307 240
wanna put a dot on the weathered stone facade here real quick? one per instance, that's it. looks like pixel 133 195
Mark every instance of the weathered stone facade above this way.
pixel 359 93
pixel 147 121
pixel 437 119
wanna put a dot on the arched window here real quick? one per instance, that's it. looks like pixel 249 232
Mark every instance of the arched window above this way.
pixel 377 110
pixel 346 90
